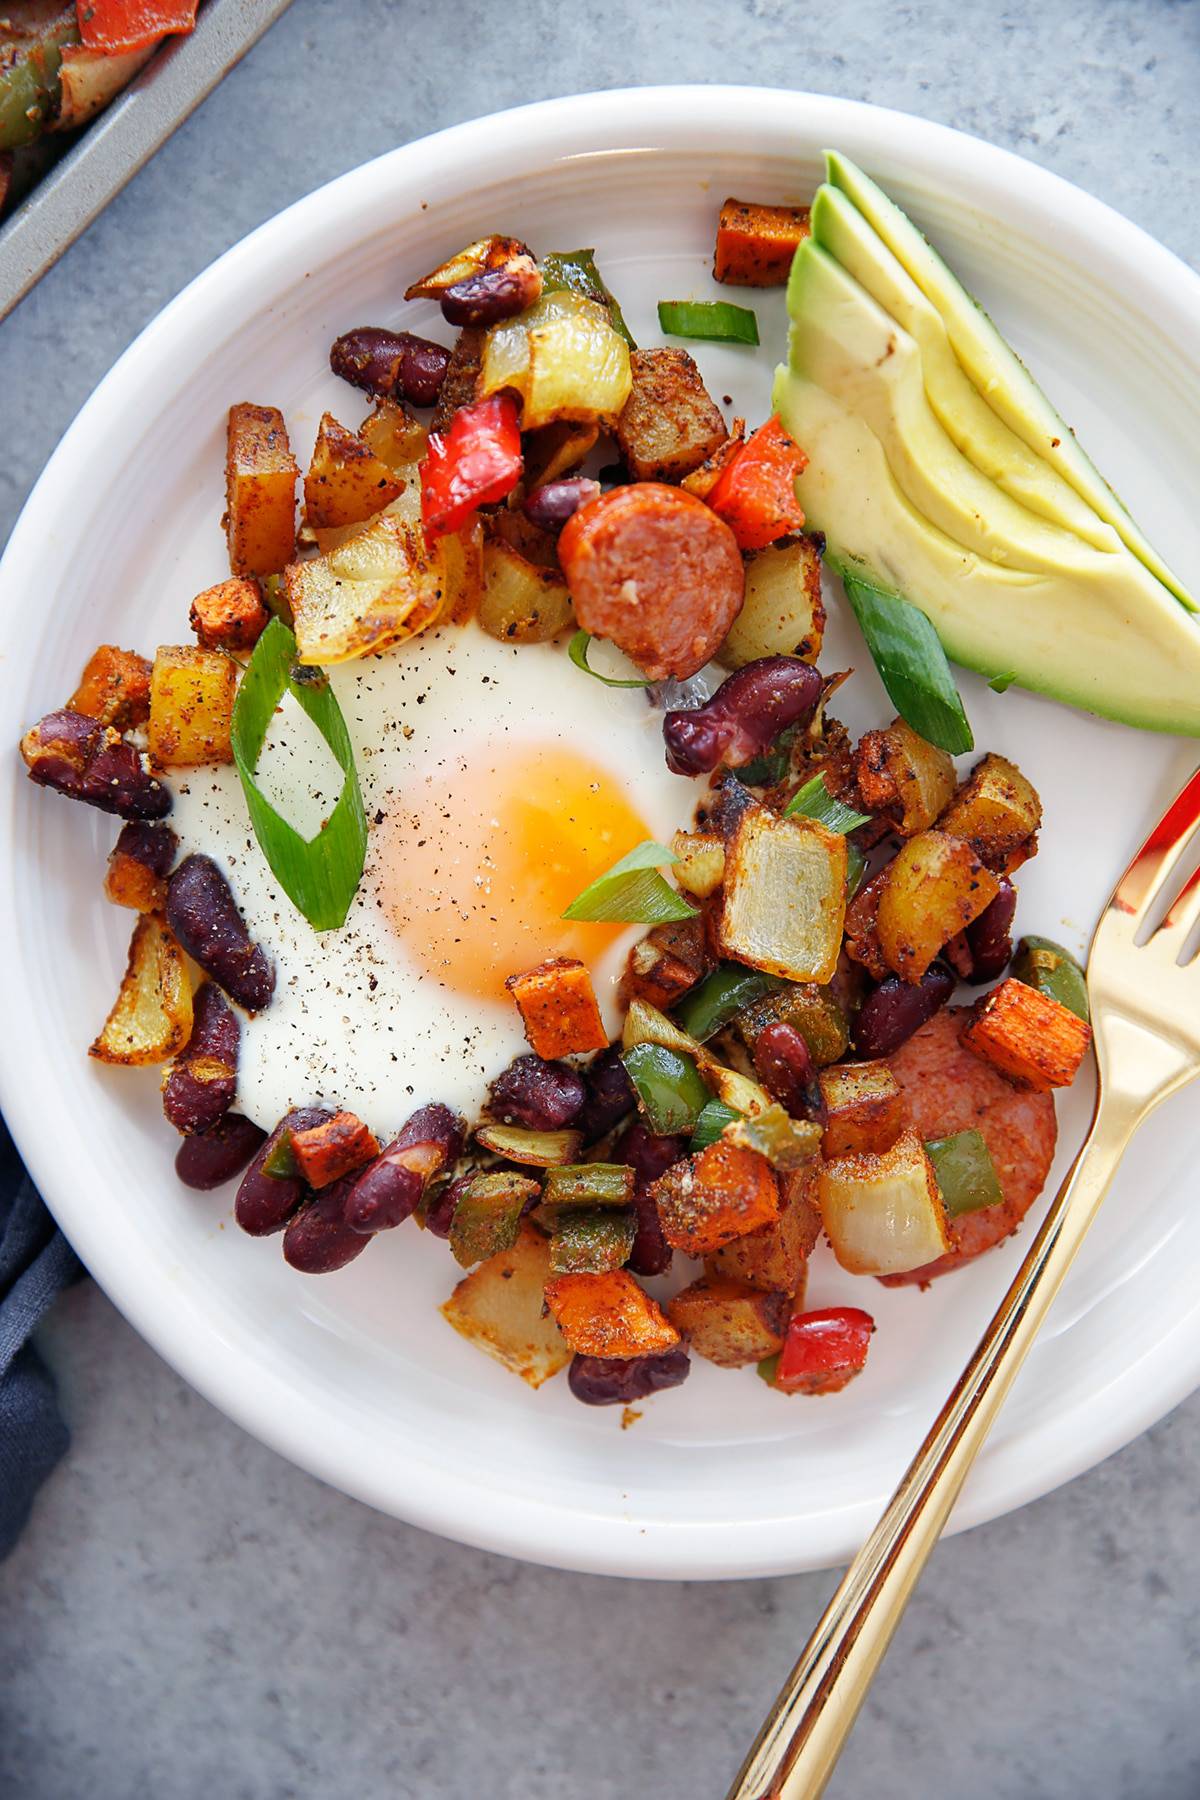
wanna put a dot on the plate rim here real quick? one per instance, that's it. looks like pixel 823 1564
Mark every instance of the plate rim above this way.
pixel 558 1533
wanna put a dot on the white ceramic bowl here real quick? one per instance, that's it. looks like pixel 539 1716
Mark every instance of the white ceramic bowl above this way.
pixel 355 1376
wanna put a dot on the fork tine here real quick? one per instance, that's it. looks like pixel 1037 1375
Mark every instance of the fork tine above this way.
pixel 1150 870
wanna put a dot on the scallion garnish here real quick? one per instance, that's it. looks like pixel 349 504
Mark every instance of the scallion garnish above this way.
pixel 320 875
pixel 577 650
pixel 633 892
pixel 814 801
pixel 911 661
pixel 715 320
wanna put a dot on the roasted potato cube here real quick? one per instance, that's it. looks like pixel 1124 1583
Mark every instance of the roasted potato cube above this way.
pixel 718 1195
pixel 703 480
pixel 461 383
pixel 521 603
pixel 499 1307
pixel 755 243
pixel 114 688
pixel 883 1214
pixel 230 616
pixel 783 613
pixel 346 482
pixel 934 887
pixel 1034 1040
pixel 151 1019
pixel 667 962
pixel 729 1322
pixel 785 896
pixel 191 706
pixel 462 572
pixel 556 450
pixel 670 423
pixel 700 868
pixel 380 586
pixel 899 774
pixel 997 811
pixel 139 864
pixel 558 1008
pixel 776 1255
pixel 864 1108
pixel 396 438
pixel 608 1315
pixel 260 491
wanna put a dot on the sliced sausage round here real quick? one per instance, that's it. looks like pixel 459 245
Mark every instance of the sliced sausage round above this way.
pixel 947 1089
pixel 657 573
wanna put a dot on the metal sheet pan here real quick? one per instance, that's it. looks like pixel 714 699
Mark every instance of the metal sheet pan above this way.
pixel 114 147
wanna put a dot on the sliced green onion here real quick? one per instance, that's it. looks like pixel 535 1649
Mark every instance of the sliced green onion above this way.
pixel 711 1124
pixel 911 662
pixel 633 892
pixel 1000 684
pixel 717 320
pixel 814 801
pixel 856 868
pixel 965 1172
pixel 576 271
pixel 577 650
pixel 669 1087
pixel 319 875
pixel 720 997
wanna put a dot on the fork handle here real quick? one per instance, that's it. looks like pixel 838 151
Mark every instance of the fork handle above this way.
pixel 793 1756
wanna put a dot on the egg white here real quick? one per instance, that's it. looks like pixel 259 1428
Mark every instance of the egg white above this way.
pixel 355 1021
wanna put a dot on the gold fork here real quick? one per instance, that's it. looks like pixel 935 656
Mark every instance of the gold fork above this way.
pixel 1146 1019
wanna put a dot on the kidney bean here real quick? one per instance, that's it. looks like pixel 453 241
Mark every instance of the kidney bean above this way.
pixel 619 1380
pixel 215 1156
pixel 610 1096
pixel 87 761
pixel 990 935
pixel 552 505
pixel 385 1193
pixel 896 1009
pixel 266 1202
pixel 647 1154
pixel 493 294
pixel 317 1239
pixel 201 1082
pixel 744 716
pixel 650 1253
pixel 540 1095
pixel 391 364
pixel 204 916
pixel 154 846
pixel 441 1209
pixel 784 1064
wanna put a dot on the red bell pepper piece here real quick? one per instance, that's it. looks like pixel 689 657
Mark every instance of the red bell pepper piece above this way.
pixel 476 461
pixel 756 494
pixel 824 1350
pixel 116 26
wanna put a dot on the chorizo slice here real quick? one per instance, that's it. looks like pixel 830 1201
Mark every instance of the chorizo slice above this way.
pixel 947 1089
pixel 657 573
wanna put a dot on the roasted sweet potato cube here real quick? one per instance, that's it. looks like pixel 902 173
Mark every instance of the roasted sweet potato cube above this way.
pixel 756 244
pixel 139 864
pixel 1034 1040
pixel 326 1152
pixel 729 1322
pixel 558 1008
pixel 935 886
pixel 499 1307
pixel 230 616
pixel 864 1108
pixel 783 613
pixel 720 1194
pixel 775 1257
pixel 346 482
pixel 114 688
pixel 191 706
pixel 670 423
pixel 997 811
pixel 900 774
pixel 608 1315
pixel 151 1019
pixel 260 491
pixel 785 896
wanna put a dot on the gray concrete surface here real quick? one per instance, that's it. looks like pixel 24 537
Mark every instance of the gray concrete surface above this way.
pixel 190 1617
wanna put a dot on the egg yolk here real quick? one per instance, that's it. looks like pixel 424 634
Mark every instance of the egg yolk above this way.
pixel 478 866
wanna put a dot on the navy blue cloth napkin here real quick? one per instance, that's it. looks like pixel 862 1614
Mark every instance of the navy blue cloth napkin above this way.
pixel 36 1263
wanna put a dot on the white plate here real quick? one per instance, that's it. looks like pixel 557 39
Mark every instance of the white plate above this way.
pixel 355 1376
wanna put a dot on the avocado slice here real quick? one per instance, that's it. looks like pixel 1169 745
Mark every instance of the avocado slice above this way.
pixel 847 344
pixel 995 369
pixel 983 437
pixel 1122 648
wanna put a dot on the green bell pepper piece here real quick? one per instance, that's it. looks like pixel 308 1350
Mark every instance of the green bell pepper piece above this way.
pixel 965 1172
pixel 592 1241
pixel 576 271
pixel 669 1087
pixel 1053 971
pixel 719 998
